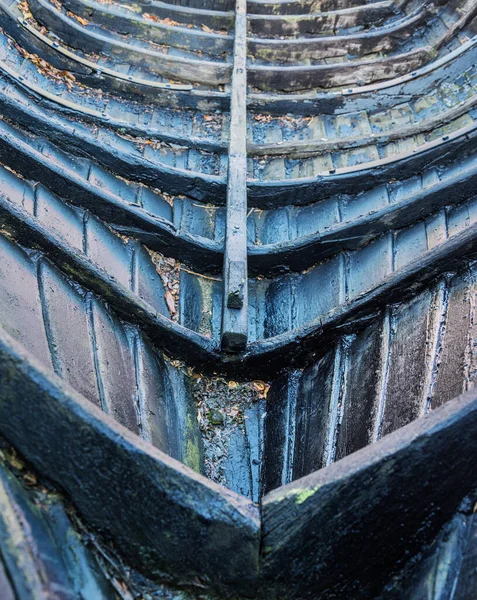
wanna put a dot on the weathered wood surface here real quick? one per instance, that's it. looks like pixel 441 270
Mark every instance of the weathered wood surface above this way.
pixel 294 50
pixel 155 510
pixel 410 358
pixel 318 23
pixel 235 274
pixel 358 304
pixel 41 551
pixel 344 531
pixel 188 69
pixel 447 568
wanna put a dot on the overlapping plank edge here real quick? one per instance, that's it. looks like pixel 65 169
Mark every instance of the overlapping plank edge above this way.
pixel 110 278
pixel 112 151
pixel 247 234
pixel 162 510
pixel 39 535
pixel 316 528
pixel 410 273
pixel 154 508
pixel 192 68
pixel 142 84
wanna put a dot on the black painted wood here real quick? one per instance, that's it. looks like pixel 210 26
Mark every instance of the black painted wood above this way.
pixel 42 551
pixel 338 533
pixel 162 511
pixel 360 291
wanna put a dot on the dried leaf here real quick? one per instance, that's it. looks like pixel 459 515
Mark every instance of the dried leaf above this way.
pixel 171 305
pixel 263 118
pixel 259 385
pixel 30 478
pixel 262 388
pixel 16 462
pixel 156 19
pixel 77 18
pixel 209 30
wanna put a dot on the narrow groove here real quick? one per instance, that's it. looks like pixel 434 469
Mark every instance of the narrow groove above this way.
pixel 139 399
pixel 248 454
pixel 446 222
pixel 333 414
pixel 261 452
pixel 290 428
pixel 470 363
pixel 35 201
pixel 85 233
pixel 46 320
pixel 344 280
pixel 433 358
pixel 293 304
pixel 90 170
pixel 385 358
pixel 133 270
pixel 344 269
pixel 392 250
pixel 94 347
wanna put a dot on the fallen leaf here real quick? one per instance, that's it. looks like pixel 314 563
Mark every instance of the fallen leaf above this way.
pixel 171 305
pixel 262 388
pixel 150 17
pixel 77 18
pixel 263 118
pixel 259 385
pixel 30 478
pixel 209 30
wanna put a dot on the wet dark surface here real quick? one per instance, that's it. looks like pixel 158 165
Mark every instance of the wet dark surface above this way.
pixel 237 252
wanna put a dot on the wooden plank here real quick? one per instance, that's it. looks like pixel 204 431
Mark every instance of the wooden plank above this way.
pixel 235 303
pixel 279 431
pixel 313 406
pixel 450 378
pixel 367 361
pixel 157 512
pixel 42 551
pixel 345 531
pixel 31 233
pixel 467 579
pixel 408 365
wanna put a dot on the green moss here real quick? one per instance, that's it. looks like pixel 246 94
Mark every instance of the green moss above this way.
pixel 192 455
pixel 305 494
pixel 216 417
pixel 299 495
pixel 192 450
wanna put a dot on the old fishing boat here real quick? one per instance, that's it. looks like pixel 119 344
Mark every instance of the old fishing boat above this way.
pixel 238 299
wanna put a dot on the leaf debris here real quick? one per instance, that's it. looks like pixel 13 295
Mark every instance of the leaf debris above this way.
pixel 222 408
pixel 49 70
pixel 169 270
